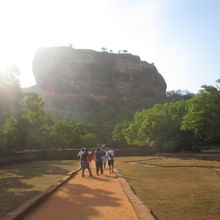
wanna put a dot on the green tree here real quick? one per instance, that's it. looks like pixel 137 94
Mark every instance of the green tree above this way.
pixel 38 122
pixel 14 132
pixel 2 142
pixel 176 95
pixel 202 117
pixel 32 110
pixel 90 140
pixel 67 134
pixel 26 128
pixel 118 135
pixel 159 127
pixel 10 92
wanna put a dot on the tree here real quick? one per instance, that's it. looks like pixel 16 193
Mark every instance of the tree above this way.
pixel 118 135
pixel 159 127
pixel 104 49
pixel 27 127
pixel 67 134
pixel 90 139
pixel 14 132
pixel 176 95
pixel 10 91
pixel 2 142
pixel 32 110
pixel 202 117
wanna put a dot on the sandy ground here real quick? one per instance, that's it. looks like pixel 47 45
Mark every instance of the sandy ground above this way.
pixel 89 198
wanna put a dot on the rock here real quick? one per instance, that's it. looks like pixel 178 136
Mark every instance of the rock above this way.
pixel 81 76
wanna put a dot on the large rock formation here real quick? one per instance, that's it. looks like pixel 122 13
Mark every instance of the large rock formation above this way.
pixel 77 80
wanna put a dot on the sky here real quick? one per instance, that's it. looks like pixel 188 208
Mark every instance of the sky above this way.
pixel 181 37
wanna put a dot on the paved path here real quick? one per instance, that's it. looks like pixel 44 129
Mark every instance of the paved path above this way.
pixel 90 198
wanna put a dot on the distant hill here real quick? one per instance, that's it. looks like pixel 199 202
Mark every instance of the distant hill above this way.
pixel 89 85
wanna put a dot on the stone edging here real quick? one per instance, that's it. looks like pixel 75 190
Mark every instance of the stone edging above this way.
pixel 143 212
pixel 22 210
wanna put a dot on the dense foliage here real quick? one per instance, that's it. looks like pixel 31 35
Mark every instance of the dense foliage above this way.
pixel 31 128
pixel 203 115
pixel 181 122
pixel 177 125
pixel 25 125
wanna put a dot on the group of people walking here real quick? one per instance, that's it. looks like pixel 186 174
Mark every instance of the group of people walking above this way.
pixel 102 156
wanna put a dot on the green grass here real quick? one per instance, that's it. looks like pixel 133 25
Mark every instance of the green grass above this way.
pixel 20 182
pixel 175 189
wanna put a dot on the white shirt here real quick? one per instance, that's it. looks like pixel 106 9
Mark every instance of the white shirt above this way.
pixel 110 152
pixel 80 154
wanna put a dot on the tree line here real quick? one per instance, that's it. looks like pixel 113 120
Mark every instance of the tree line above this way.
pixel 25 125
pixel 175 125
pixel 182 120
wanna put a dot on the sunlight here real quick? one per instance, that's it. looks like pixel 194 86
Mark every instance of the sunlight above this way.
pixel 33 31
pixel 134 75
pixel 144 28
pixel 84 24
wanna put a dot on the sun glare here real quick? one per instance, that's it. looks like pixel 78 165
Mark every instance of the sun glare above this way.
pixel 84 24
pixel 143 28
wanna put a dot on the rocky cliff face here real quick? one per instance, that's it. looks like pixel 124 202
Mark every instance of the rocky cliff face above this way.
pixel 65 75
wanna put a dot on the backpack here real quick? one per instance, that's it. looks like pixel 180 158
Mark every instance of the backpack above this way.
pixel 110 155
pixel 98 156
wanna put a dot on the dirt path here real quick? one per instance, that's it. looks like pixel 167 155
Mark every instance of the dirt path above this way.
pixel 89 198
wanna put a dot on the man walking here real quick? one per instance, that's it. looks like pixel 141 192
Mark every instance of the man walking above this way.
pixel 99 161
pixel 110 155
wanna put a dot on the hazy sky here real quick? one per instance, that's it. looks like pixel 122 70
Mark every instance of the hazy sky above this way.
pixel 182 37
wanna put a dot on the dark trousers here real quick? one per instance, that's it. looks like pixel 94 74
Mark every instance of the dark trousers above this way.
pixel 99 166
pixel 111 165
pixel 85 165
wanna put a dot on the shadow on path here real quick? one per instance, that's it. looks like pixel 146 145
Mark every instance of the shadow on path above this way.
pixel 17 183
pixel 75 200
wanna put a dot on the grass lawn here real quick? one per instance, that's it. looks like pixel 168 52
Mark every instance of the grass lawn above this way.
pixel 20 182
pixel 175 189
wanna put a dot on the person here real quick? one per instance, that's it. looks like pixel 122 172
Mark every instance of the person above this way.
pixel 110 155
pixel 90 158
pixel 99 161
pixel 80 153
pixel 85 163
pixel 105 158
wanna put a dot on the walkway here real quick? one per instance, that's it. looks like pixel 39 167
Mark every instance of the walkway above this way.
pixel 90 198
